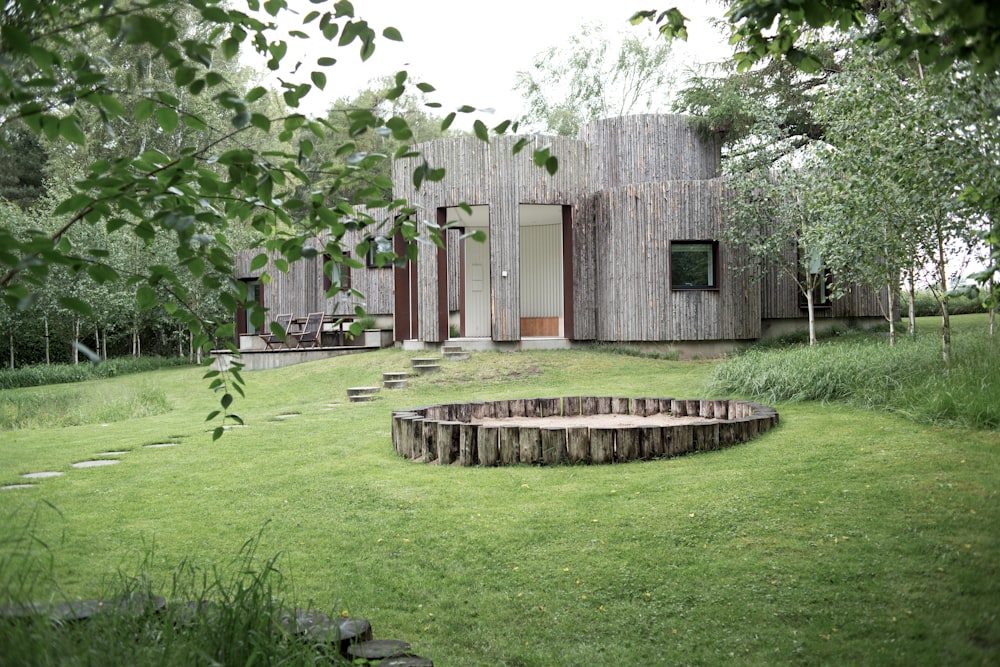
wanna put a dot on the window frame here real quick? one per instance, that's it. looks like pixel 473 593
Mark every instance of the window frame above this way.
pixel 716 275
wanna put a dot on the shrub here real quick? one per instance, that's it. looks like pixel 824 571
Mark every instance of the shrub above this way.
pixel 36 376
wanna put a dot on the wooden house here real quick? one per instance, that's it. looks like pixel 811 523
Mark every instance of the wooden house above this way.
pixel 623 244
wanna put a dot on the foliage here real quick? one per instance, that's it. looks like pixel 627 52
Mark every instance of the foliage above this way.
pixel 586 79
pixel 34 376
pixel 940 32
pixel 908 378
pixel 472 564
pixel 158 166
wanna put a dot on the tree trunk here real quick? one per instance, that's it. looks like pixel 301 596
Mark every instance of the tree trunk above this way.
pixel 76 341
pixel 912 304
pixel 942 268
pixel 48 359
pixel 11 342
pixel 812 316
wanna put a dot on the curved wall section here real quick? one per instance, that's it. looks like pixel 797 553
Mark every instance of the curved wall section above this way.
pixel 650 148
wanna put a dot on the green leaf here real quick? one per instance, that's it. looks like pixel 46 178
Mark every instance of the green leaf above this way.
pixel 226 400
pixel 166 118
pixel 70 130
pixel 217 433
pixel 76 305
pixel 144 109
pixel 145 296
pixel 318 79
pixel 480 130
pixel 392 34
pixel 326 61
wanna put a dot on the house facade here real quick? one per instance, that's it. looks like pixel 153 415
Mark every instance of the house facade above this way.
pixel 624 243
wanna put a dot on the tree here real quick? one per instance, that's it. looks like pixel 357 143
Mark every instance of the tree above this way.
pixel 196 191
pixel 587 79
pixel 940 34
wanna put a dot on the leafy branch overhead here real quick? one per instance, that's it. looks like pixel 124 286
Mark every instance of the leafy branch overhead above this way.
pixel 158 139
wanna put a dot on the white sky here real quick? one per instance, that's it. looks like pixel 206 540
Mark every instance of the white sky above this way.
pixel 470 51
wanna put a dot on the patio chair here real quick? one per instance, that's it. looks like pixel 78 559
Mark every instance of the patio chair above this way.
pixel 311 331
pixel 270 338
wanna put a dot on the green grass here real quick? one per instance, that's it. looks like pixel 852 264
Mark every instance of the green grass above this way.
pixel 844 536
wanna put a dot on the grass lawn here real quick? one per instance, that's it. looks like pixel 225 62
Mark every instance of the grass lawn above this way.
pixel 842 537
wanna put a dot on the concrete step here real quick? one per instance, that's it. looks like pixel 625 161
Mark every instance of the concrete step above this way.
pixel 361 394
pixel 395 384
pixel 424 369
pixel 395 375
pixel 451 348
pixel 456 355
pixel 424 361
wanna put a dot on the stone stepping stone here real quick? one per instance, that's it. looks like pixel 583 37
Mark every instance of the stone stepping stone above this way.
pixel 407 661
pixel 133 605
pixel 156 445
pixel 289 415
pixel 41 475
pixel 11 487
pixel 112 453
pixel 379 649
pixel 454 353
pixel 95 464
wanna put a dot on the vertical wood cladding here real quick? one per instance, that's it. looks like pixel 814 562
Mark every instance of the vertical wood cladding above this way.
pixel 635 301
pixel 478 173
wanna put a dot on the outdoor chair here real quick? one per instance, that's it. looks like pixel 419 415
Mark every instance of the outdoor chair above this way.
pixel 311 331
pixel 270 338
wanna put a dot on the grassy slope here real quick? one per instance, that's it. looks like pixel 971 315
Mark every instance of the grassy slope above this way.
pixel 843 537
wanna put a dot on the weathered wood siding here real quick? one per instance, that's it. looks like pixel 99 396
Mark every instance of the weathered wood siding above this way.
pixel 781 298
pixel 650 148
pixel 635 224
pixel 300 290
pixel 478 173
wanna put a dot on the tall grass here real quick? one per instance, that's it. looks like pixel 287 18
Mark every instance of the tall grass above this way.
pixel 47 408
pixel 36 376
pixel 235 614
pixel 909 378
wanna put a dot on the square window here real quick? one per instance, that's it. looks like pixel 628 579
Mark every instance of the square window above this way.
pixel 694 264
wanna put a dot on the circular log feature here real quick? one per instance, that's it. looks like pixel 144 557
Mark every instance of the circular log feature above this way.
pixel 574 429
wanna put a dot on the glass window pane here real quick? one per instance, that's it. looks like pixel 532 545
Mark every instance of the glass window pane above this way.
pixel 692 265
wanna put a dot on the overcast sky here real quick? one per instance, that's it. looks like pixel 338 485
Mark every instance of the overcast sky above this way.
pixel 470 51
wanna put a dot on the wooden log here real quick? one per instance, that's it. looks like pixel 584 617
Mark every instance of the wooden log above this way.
pixel 405 445
pixel 692 407
pixel 571 406
pixel 620 406
pixel 549 407
pixel 627 446
pixel 578 444
pixel 501 409
pixel 706 437
pixel 419 448
pixel 467 445
pixel 446 443
pixel 487 447
pixel 706 408
pixel 478 409
pixel 588 405
pixel 531 407
pixel 638 407
pixel 682 439
pixel 530 445
pixel 678 407
pixel 720 409
pixel 461 412
pixel 664 405
pixel 667 441
pixel 553 445
pixel 650 442
pixel 603 405
pixel 430 440
pixel 516 407
pixel 602 445
pixel 509 445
